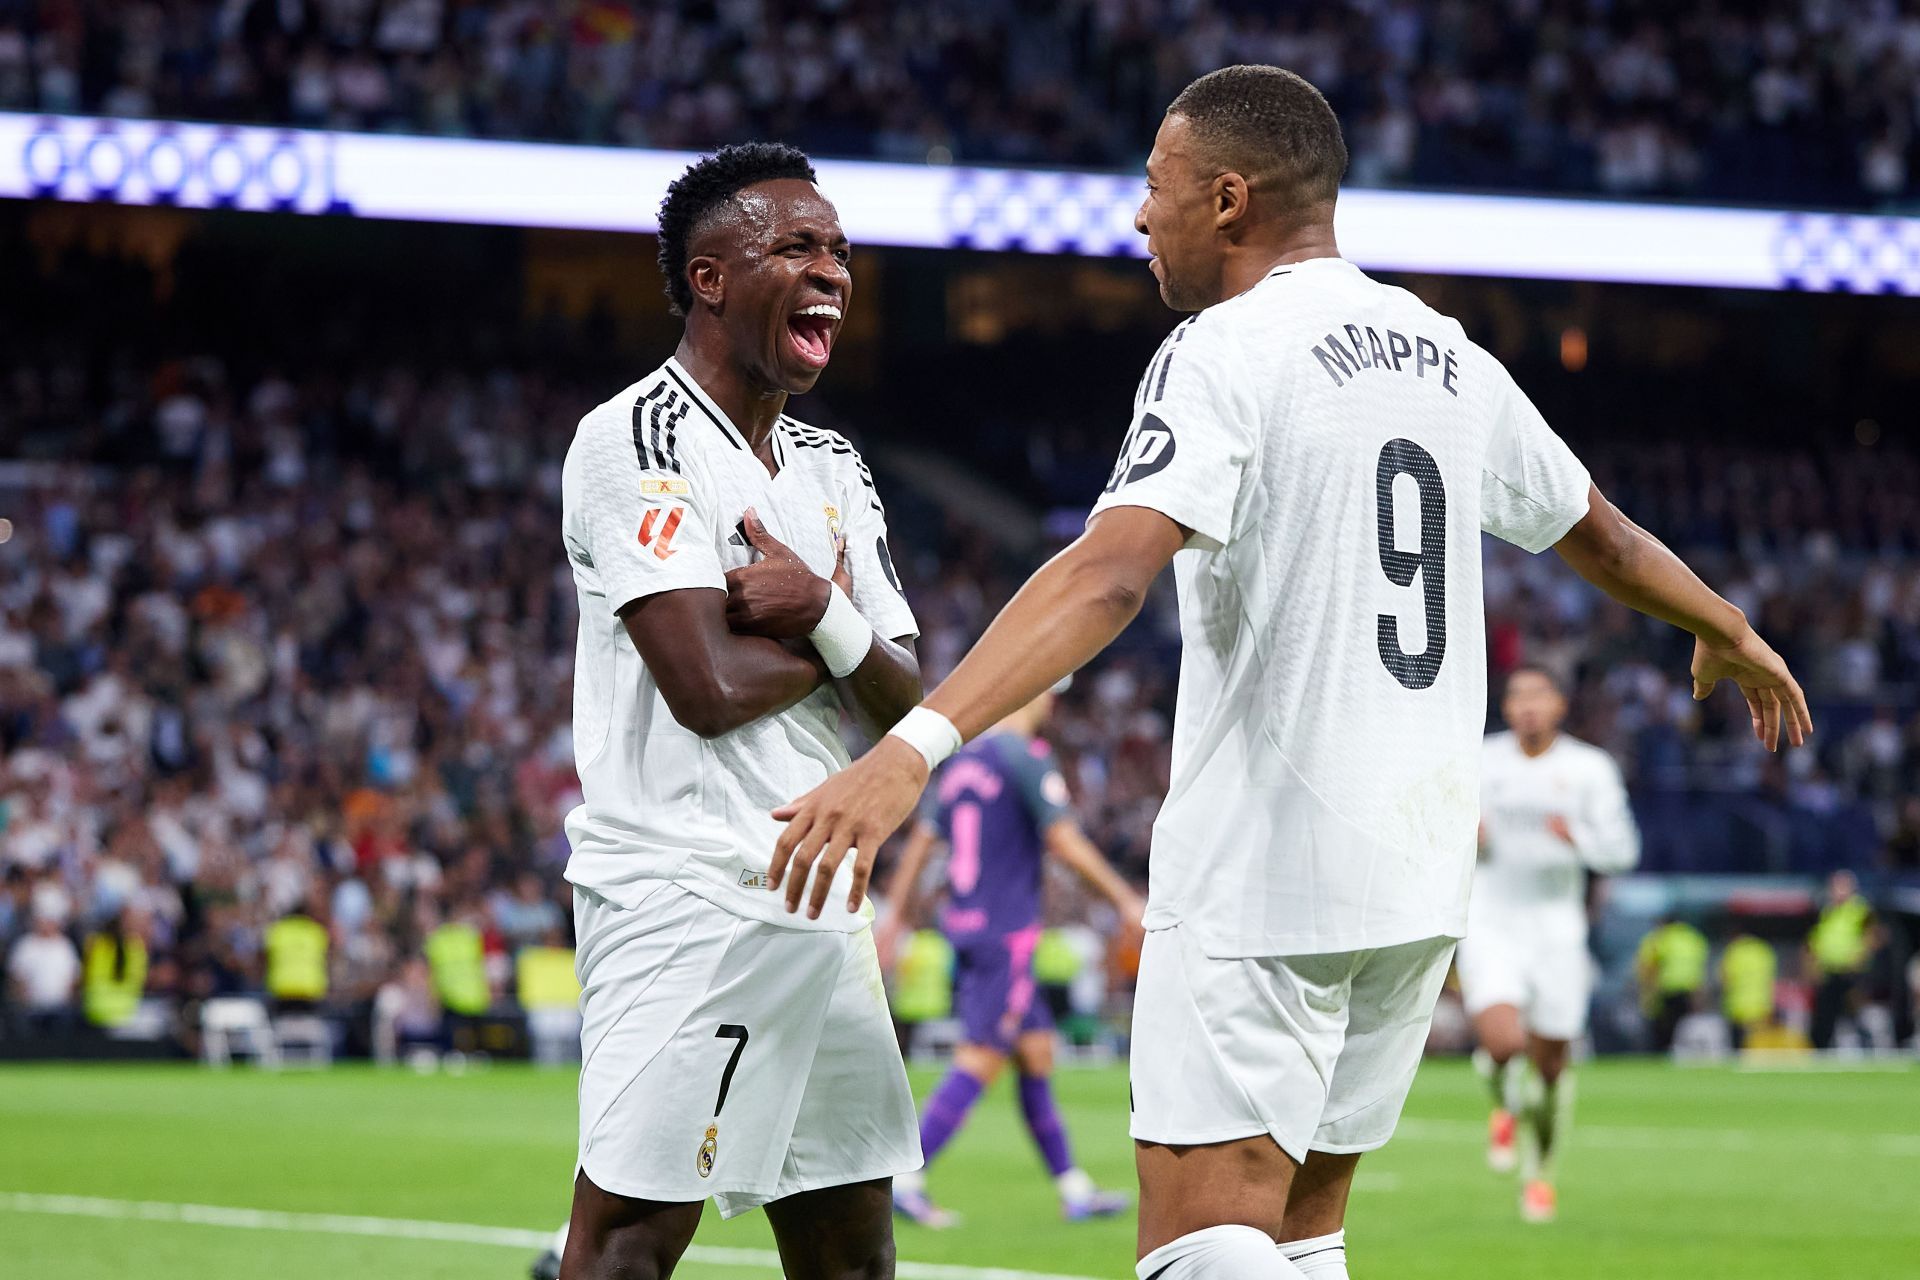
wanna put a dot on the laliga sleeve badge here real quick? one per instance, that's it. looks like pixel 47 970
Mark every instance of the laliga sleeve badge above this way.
pixel 708 1150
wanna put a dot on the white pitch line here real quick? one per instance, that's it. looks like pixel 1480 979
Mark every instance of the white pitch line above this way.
pixel 209 1215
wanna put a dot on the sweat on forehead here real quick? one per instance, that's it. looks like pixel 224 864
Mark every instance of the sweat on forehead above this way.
pixel 758 213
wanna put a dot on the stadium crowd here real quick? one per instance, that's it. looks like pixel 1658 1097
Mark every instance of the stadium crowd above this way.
pixel 300 644
pixel 1802 100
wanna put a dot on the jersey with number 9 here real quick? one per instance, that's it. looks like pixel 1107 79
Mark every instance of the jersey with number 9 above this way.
pixel 1335 448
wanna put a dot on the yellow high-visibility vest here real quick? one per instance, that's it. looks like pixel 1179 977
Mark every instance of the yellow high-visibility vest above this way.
pixel 1839 939
pixel 296 949
pixel 110 997
pixel 1677 953
pixel 457 958
pixel 1056 961
pixel 1747 971
pixel 544 978
pixel 923 980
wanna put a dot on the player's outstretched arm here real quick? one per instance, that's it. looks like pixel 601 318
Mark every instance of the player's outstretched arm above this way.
pixel 1070 610
pixel 1069 845
pixel 713 680
pixel 1637 569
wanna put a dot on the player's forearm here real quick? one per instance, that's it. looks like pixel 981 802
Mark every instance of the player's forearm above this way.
pixel 903 889
pixel 751 677
pixel 1070 610
pixel 1636 568
pixel 1608 843
pixel 885 686
pixel 1071 847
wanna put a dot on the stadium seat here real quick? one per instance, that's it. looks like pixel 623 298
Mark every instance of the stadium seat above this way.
pixel 228 1023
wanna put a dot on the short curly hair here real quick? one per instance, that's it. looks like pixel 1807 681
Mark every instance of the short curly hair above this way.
pixel 1270 126
pixel 707 184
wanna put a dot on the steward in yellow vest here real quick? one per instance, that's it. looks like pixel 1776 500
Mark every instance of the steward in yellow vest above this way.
pixel 296 947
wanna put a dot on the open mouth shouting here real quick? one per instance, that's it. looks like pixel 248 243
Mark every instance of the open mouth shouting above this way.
pixel 811 331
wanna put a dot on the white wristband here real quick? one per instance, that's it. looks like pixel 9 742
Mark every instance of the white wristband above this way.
pixel 843 637
pixel 929 733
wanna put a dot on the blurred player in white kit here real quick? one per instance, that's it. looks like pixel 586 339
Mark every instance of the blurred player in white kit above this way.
pixel 1552 809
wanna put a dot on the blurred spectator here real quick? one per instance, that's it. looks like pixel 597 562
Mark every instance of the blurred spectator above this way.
pixel 407 1014
pixel 44 969
pixel 115 971
pixel 1748 968
pixel 1840 949
pixel 545 985
pixel 1671 966
pixel 296 962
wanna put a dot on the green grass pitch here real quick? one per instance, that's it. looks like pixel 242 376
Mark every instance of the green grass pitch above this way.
pixel 1690 1174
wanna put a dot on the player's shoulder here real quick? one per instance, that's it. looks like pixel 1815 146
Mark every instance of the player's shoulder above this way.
pixel 1586 754
pixel 828 450
pixel 1499 745
pixel 663 420
pixel 822 446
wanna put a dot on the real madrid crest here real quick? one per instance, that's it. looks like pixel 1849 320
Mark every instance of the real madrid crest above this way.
pixel 833 519
pixel 708 1150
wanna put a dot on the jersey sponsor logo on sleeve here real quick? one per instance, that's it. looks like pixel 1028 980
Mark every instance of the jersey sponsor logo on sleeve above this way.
pixel 654 487
pixel 1054 788
pixel 657 528
pixel 1148 450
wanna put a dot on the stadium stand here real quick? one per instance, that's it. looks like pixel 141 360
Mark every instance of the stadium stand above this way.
pixel 1802 101
pixel 283 625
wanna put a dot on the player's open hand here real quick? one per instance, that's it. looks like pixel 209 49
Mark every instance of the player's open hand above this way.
pixel 1774 700
pixel 777 595
pixel 853 812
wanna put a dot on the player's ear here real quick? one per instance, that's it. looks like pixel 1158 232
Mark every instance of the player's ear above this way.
pixel 707 278
pixel 1230 200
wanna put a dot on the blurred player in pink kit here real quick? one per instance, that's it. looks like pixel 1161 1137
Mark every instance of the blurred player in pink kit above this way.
pixel 1003 809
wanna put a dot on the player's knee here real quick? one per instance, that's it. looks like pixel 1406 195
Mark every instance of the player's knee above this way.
pixel 1034 1054
pixel 624 1255
pixel 980 1062
pixel 870 1257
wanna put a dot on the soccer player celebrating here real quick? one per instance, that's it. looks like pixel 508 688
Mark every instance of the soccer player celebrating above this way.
pixel 1002 809
pixel 735 593
pixel 1552 809
pixel 1317 454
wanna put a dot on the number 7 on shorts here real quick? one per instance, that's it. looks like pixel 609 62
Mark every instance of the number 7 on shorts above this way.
pixel 729 1031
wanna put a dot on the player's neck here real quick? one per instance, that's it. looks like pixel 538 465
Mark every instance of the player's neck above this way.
pixel 1250 263
pixel 751 408
pixel 1533 748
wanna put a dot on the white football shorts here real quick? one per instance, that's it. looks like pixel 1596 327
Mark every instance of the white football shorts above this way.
pixel 726 1057
pixel 1317 1051
pixel 1545 973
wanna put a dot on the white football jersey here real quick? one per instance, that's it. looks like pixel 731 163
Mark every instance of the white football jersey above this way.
pixel 654 490
pixel 1335 447
pixel 1524 868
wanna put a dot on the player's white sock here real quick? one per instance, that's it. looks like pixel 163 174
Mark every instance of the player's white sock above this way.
pixel 1496 1074
pixel 1218 1253
pixel 1319 1257
pixel 1074 1184
pixel 910 1182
